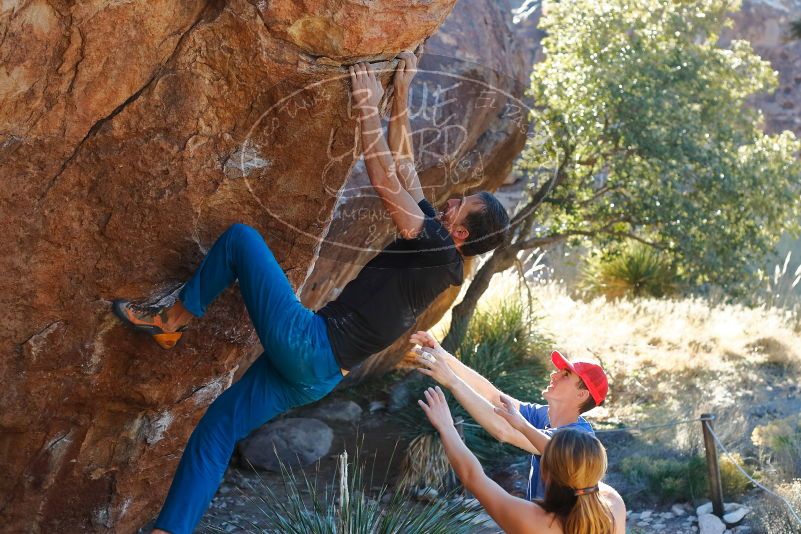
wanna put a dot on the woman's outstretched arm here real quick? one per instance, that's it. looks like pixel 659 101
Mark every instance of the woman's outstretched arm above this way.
pixel 512 514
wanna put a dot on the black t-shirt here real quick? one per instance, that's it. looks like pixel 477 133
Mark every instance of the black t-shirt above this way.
pixel 391 291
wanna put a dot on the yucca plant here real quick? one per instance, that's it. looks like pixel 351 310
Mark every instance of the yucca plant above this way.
pixel 780 289
pixel 636 271
pixel 346 508
pixel 502 345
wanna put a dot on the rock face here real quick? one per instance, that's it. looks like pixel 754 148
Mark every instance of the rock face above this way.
pixel 131 135
pixel 765 24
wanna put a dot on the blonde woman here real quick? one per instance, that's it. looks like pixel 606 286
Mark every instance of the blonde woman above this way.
pixel 573 463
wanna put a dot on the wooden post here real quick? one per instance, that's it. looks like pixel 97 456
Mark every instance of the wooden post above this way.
pixel 713 469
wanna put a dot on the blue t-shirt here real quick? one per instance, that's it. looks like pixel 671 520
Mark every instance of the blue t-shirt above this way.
pixel 537 415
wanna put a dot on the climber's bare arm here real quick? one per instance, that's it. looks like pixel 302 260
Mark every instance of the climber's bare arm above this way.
pixel 399 131
pixel 381 168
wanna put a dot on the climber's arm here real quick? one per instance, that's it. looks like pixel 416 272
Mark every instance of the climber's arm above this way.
pixel 399 132
pixel 381 168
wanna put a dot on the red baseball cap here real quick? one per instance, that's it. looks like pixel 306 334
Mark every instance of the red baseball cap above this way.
pixel 590 373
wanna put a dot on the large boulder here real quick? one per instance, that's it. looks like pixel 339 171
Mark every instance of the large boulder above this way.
pixel 131 135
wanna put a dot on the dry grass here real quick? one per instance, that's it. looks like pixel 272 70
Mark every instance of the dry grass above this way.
pixel 671 335
pixel 770 515
pixel 673 358
pixel 657 334
pixel 425 464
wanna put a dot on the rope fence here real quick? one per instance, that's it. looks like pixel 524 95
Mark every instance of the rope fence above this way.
pixel 789 506
pixel 647 427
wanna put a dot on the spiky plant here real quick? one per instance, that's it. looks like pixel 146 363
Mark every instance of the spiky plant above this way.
pixel 424 464
pixel 347 508
pixel 780 288
pixel 636 271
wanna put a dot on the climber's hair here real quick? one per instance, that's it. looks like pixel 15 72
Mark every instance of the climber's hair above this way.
pixel 487 227
pixel 574 460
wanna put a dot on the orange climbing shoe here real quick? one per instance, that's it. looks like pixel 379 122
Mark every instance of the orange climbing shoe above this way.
pixel 149 320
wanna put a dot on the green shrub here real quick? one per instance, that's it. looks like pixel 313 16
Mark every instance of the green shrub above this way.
pixel 348 509
pixel 502 345
pixel 680 479
pixel 735 484
pixel 635 271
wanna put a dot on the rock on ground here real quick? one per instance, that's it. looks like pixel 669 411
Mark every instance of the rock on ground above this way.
pixel 293 441
pixel 338 411
pixel 736 515
pixel 710 524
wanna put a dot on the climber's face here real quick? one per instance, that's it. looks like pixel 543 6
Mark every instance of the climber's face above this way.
pixel 455 212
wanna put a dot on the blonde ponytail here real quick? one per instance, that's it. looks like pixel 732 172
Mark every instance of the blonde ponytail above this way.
pixel 589 515
pixel 572 465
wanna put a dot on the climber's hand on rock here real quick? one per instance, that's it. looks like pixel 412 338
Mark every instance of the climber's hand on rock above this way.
pixel 404 73
pixel 365 87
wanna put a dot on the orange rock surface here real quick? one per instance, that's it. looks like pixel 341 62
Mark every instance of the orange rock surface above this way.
pixel 131 135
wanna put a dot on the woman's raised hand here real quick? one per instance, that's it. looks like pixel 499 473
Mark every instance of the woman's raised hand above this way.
pixel 436 409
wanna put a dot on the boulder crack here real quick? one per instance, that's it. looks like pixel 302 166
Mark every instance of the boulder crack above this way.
pixel 212 8
pixel 81 54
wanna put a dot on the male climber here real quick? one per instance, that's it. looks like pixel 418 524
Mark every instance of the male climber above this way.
pixel 306 353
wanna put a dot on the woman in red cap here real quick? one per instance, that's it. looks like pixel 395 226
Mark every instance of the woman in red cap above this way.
pixel 573 463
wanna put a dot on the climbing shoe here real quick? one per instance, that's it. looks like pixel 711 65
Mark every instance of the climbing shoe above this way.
pixel 149 320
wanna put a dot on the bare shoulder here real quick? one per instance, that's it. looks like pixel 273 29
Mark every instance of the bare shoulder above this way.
pixel 520 516
pixel 615 502
pixel 535 515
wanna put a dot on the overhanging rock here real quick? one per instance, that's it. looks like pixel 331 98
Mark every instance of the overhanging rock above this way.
pixel 131 135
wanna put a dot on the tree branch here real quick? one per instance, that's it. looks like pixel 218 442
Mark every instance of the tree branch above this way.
pixel 542 193
pixel 535 242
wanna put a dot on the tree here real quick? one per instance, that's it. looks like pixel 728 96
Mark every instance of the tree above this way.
pixel 649 139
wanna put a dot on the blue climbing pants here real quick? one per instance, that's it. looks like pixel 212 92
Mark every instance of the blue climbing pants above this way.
pixel 297 367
